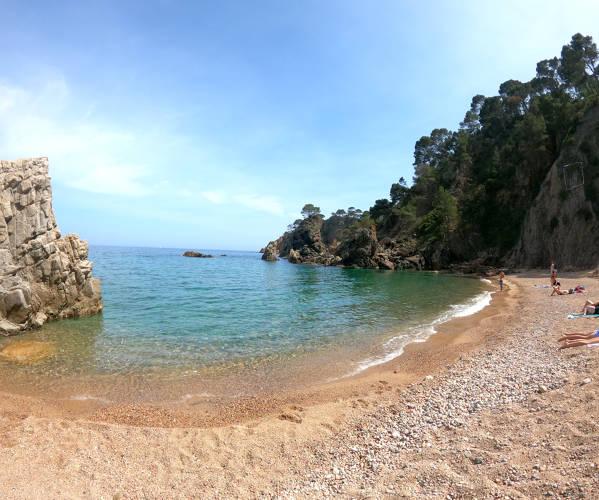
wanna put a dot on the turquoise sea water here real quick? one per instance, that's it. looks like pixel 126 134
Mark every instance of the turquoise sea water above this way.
pixel 170 316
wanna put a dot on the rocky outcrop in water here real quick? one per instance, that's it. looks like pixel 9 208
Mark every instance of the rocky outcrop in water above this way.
pixel 42 276
pixel 199 255
pixel 270 252
pixel 358 247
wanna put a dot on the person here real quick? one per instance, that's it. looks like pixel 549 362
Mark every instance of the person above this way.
pixel 553 274
pixel 590 308
pixel 501 276
pixel 578 339
pixel 558 291
pixel 580 336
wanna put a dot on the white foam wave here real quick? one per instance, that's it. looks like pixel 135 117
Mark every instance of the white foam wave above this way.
pixel 394 347
pixel 88 397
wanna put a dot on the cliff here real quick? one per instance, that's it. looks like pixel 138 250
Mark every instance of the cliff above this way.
pixel 42 276
pixel 356 247
pixel 562 224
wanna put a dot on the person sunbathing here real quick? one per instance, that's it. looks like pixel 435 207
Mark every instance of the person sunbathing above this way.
pixel 558 291
pixel 590 307
pixel 579 342
pixel 580 336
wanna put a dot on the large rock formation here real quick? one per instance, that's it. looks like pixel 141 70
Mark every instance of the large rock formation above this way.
pixel 42 276
pixel 270 252
pixel 562 225
pixel 358 247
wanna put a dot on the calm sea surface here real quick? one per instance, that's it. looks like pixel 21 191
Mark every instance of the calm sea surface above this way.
pixel 170 317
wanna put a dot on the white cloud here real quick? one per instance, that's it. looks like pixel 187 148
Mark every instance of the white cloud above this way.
pixel 261 203
pixel 120 180
pixel 83 154
pixel 267 204
pixel 217 197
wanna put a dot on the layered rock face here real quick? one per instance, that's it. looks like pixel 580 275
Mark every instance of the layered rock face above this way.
pixel 42 276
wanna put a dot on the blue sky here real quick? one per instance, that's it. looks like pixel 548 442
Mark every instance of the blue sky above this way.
pixel 210 124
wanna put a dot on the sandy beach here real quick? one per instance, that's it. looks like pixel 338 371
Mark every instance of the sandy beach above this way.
pixel 487 408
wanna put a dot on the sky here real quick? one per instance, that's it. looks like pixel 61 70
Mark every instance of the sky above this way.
pixel 208 125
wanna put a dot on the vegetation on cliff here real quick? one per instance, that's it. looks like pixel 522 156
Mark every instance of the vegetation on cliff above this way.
pixel 473 187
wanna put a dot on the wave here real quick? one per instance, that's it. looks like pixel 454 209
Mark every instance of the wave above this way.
pixel 88 397
pixel 394 347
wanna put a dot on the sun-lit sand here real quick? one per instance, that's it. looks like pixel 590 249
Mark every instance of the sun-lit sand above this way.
pixel 488 407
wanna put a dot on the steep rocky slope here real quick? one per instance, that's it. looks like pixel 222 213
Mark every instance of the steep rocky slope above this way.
pixel 42 276
pixel 562 223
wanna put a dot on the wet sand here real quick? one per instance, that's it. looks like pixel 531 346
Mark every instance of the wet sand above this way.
pixel 416 426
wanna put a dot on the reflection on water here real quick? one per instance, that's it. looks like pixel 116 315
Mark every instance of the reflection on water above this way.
pixel 170 318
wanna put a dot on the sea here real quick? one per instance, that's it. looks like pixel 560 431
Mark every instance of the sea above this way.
pixel 234 325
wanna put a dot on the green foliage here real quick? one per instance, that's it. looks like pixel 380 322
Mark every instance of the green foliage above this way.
pixel 472 188
pixel 442 220
pixel 381 209
pixel 310 210
pixel 481 180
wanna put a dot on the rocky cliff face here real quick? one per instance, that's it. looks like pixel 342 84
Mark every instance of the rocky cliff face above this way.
pixel 359 248
pixel 42 276
pixel 562 225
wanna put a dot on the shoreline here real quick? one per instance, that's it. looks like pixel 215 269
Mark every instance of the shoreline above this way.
pixel 202 408
pixel 504 413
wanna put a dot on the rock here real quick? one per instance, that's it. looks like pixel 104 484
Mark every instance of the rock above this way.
pixel 542 389
pixel 294 257
pixel 27 351
pixel 553 228
pixel 306 240
pixel 586 381
pixel 270 252
pixel 42 275
pixel 191 253
pixel 290 417
pixel 477 460
pixel 359 250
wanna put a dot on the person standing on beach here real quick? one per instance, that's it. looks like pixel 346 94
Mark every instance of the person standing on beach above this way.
pixel 501 276
pixel 553 274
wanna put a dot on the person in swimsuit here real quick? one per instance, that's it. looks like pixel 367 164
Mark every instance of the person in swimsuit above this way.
pixel 578 339
pixel 557 290
pixel 590 308
pixel 501 276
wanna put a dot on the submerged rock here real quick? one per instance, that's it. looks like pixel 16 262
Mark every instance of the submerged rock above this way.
pixel 191 253
pixel 42 275
pixel 29 351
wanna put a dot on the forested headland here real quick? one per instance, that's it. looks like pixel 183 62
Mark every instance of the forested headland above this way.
pixel 474 190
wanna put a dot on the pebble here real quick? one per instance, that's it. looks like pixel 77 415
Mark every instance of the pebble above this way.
pixel 423 417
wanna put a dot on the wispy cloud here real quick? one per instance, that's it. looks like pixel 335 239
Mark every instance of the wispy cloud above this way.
pixel 32 123
pixel 267 204
pixel 217 197
pixel 123 180
pixel 261 203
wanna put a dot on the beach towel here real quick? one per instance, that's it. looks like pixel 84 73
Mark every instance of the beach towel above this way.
pixel 573 316
pixel 593 345
pixel 541 286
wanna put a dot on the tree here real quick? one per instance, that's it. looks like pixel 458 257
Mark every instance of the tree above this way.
pixel 354 213
pixel 578 64
pixel 310 210
pixel 292 227
pixel 398 192
pixel 380 209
